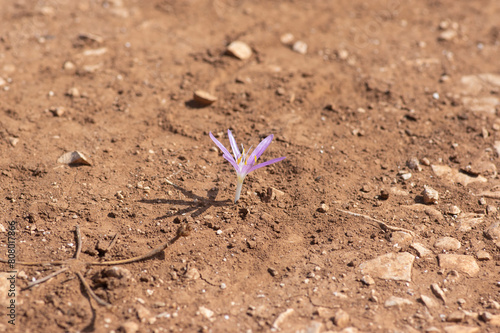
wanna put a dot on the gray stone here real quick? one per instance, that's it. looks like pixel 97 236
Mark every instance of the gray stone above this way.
pixel 397 301
pixel 493 231
pixel 459 262
pixel 447 244
pixel 390 266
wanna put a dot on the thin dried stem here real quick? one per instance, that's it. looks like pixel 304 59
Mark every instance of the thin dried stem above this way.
pixel 46 278
pixel 379 223
pixel 96 298
pixel 78 242
pixel 183 231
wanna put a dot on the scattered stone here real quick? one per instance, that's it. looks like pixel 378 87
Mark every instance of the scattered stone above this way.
pixel 13 141
pixel 425 161
pixel 481 104
pixel 300 47
pixel 95 52
pixel 69 66
pixel 468 221
pixel 367 280
pixel 341 318
pixel 73 158
pixel 438 292
pixel 116 272
pixel 493 231
pixel 129 327
pixel 428 301
pixel 461 329
pixel 272 271
pixel 405 176
pixel 203 97
pixel 57 111
pixel 192 274
pixel 281 318
pixel 455 317
pixel 397 301
pixel 240 50
pixel 447 244
pixel 384 194
pixel 207 313
pixel 432 329
pixel 455 176
pixel 479 167
pixel 272 194
pixel 2 82
pixel 144 314
pixel 483 255
pixel 287 38
pixel 463 263
pixel 447 35
pixel 486 316
pixel 342 54
pixel 390 266
pixel 314 327
pixel 453 210
pixel 491 210
pixel 413 164
pixel 73 92
pixel 430 195
pixel 421 250
pixel 401 238
pixel 323 208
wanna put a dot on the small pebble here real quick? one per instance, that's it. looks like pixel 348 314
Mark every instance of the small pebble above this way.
pixel 430 195
pixel 204 97
pixel 413 163
pixel 323 208
pixel 287 39
pixel 384 194
pixel 483 255
pixel 240 50
pixel 425 161
pixel 300 47
pixel 367 280
pixel 453 210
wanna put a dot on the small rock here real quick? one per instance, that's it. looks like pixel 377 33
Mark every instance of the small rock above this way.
pixel 438 292
pixel 323 208
pixel 493 231
pixel 341 318
pixel 13 141
pixel 287 39
pixel 116 272
pixel 384 194
pixel 430 195
pixel 397 301
pixel 73 158
pixel 69 66
pixel 413 163
pixel 491 210
pixel 447 244
pixel 486 316
pixel 274 194
pixel 2 82
pixel 455 317
pixel 483 255
pixel 203 97
pixel 129 327
pixel 425 161
pixel 463 263
pixel 342 54
pixel 447 35
pixel 401 238
pixel 432 329
pixel 367 280
pixel 207 313
pixel 452 210
pixel 428 301
pixel 272 271
pixel 390 266
pixel 405 176
pixel 192 274
pixel 57 111
pixel 145 315
pixel 300 47
pixel 73 92
pixel 240 50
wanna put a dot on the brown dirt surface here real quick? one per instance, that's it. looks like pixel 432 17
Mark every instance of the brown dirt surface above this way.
pixel 389 97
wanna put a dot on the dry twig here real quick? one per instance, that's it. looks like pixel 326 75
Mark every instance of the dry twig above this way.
pixel 379 223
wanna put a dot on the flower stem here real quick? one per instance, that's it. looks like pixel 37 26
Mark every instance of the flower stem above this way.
pixel 239 185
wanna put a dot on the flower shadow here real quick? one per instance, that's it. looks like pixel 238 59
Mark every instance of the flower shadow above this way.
pixel 196 206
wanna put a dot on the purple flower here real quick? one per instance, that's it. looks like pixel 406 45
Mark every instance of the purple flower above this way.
pixel 244 162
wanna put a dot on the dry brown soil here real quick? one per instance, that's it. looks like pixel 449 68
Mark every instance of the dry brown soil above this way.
pixel 382 82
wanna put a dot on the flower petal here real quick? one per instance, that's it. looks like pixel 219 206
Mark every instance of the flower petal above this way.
pixel 263 164
pixel 230 159
pixel 261 148
pixel 220 145
pixel 234 146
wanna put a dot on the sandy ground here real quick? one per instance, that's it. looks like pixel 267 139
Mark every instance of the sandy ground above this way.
pixel 390 98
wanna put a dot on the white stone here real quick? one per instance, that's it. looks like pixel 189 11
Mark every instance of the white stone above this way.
pixel 300 47
pixel 240 50
pixel 390 266
pixel 397 301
